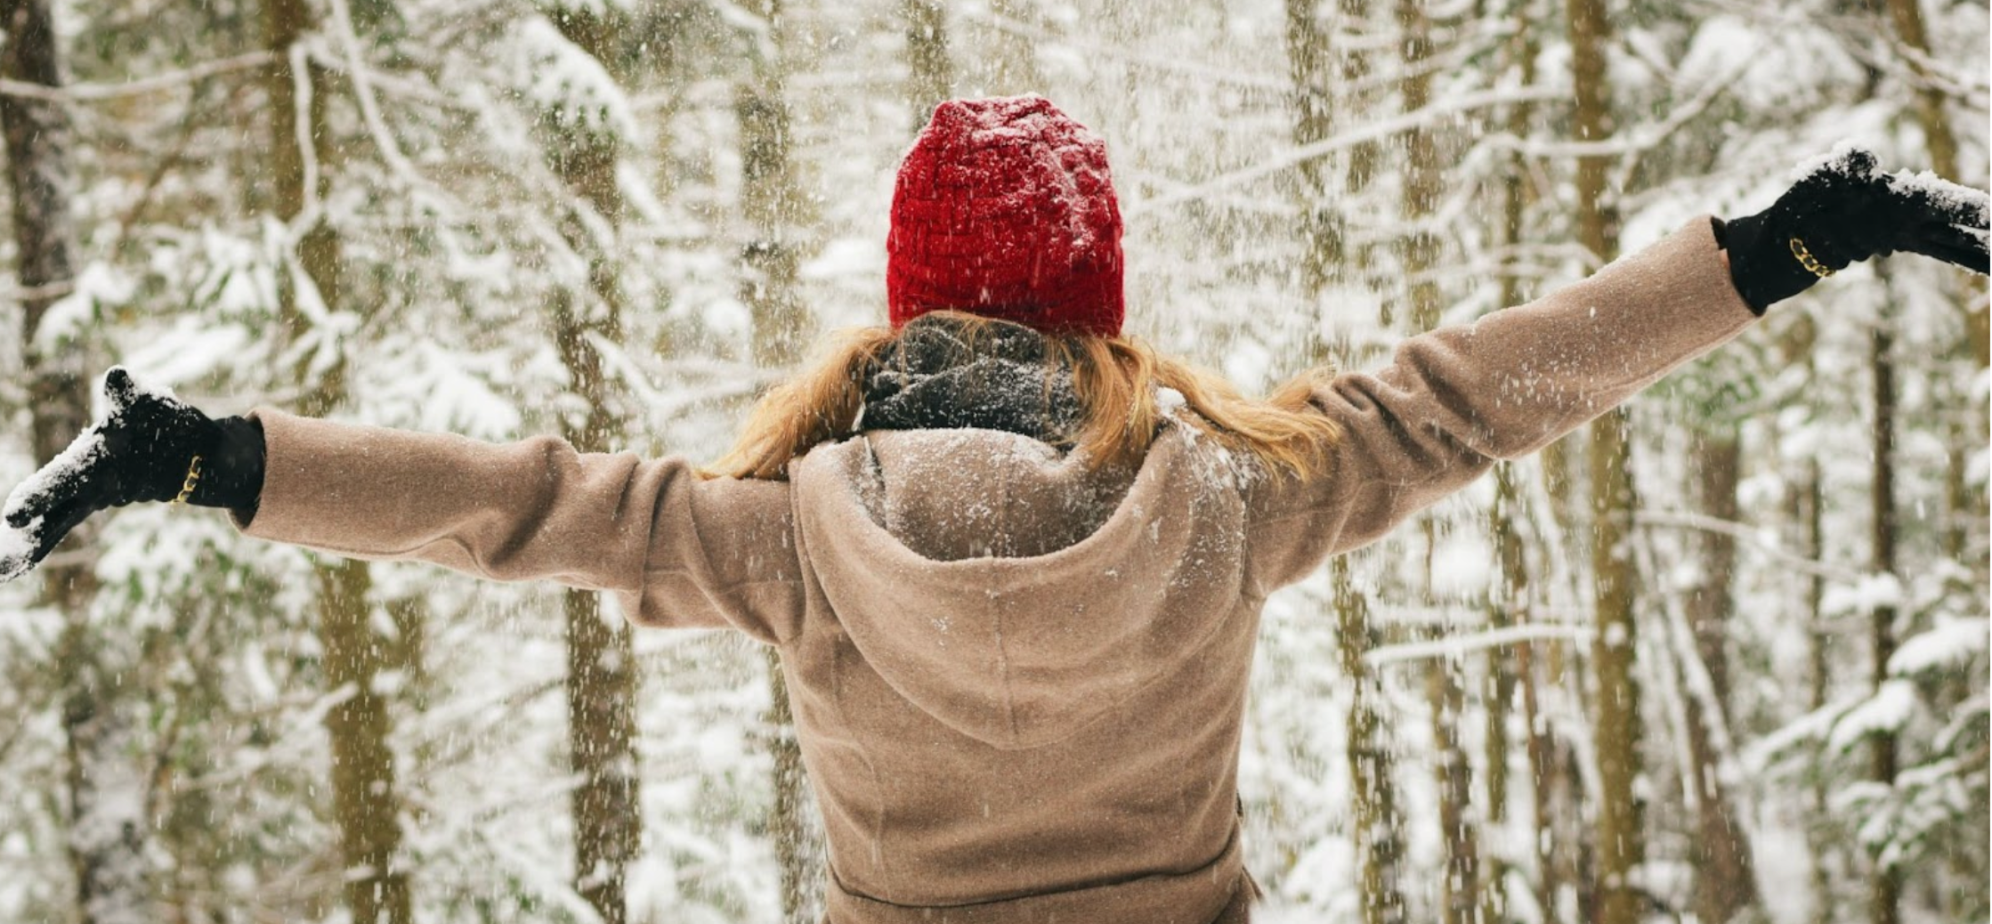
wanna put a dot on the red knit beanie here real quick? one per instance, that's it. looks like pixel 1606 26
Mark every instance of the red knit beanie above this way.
pixel 1004 209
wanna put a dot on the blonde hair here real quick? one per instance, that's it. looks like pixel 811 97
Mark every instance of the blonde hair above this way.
pixel 1116 379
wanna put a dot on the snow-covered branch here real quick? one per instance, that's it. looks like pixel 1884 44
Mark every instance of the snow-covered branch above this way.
pixel 1743 533
pixel 101 92
pixel 1374 131
pixel 1453 646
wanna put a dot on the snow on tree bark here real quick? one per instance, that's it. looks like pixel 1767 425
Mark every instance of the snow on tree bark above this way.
pixel 931 77
pixel 1420 250
pixel 1620 826
pixel 1376 815
pixel 1885 886
pixel 105 783
pixel 1377 820
pixel 366 803
pixel 772 205
pixel 1008 65
pixel 601 663
pixel 1508 671
pixel 1512 603
pixel 1725 871
pixel 1308 62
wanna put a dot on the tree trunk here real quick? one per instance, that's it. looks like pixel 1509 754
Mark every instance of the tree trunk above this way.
pixel 1621 839
pixel 771 204
pixel 104 776
pixel 1885 895
pixel 1318 70
pixel 1420 250
pixel 1378 823
pixel 1805 531
pixel 1964 504
pixel 601 678
pixel 285 22
pixel 932 77
pixel 1422 179
pixel 365 801
pixel 1725 874
pixel 601 736
pixel 1445 690
pixel 1907 18
pixel 1355 67
pixel 1308 66
pixel 1009 65
pixel 1819 638
pixel 771 257
pixel 1508 669
pixel 1563 460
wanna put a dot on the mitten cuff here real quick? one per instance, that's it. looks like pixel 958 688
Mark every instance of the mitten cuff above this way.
pixel 232 471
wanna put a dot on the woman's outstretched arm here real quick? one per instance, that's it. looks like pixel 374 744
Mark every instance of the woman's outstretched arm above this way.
pixel 1454 400
pixel 676 549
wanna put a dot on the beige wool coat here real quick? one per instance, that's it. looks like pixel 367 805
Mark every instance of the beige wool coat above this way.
pixel 1018 688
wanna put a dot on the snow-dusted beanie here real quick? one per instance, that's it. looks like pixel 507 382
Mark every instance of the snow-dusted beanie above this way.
pixel 1004 209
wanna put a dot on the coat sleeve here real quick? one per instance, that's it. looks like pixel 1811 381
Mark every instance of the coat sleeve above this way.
pixel 677 550
pixel 1454 400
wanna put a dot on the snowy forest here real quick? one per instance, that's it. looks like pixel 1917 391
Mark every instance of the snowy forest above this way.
pixel 1719 657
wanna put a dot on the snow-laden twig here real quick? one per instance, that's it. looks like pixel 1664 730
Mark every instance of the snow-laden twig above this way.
pixel 1698 685
pixel 397 86
pixel 1743 533
pixel 307 149
pixel 1640 139
pixel 296 719
pixel 1856 32
pixel 361 76
pixel 1041 36
pixel 1449 616
pixel 1763 753
pixel 99 92
pixel 1453 646
pixel 1918 69
pixel 1374 131
pixel 1559 706
pixel 49 290
pixel 1658 675
pixel 666 404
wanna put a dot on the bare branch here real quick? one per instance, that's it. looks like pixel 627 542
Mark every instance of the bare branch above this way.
pixel 1743 532
pixel 1374 131
pixel 357 72
pixel 100 92
pixel 1453 646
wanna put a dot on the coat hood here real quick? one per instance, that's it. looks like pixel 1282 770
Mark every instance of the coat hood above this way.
pixel 1005 590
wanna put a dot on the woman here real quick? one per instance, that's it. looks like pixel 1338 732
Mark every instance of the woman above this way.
pixel 1014 563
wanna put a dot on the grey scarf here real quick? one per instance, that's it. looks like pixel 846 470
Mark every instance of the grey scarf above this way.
pixel 938 377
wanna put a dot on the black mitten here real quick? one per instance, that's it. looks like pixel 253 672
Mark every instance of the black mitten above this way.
pixel 145 449
pixel 1842 212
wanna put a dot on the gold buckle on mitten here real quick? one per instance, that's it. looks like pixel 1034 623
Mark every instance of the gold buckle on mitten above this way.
pixel 1806 259
pixel 193 478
